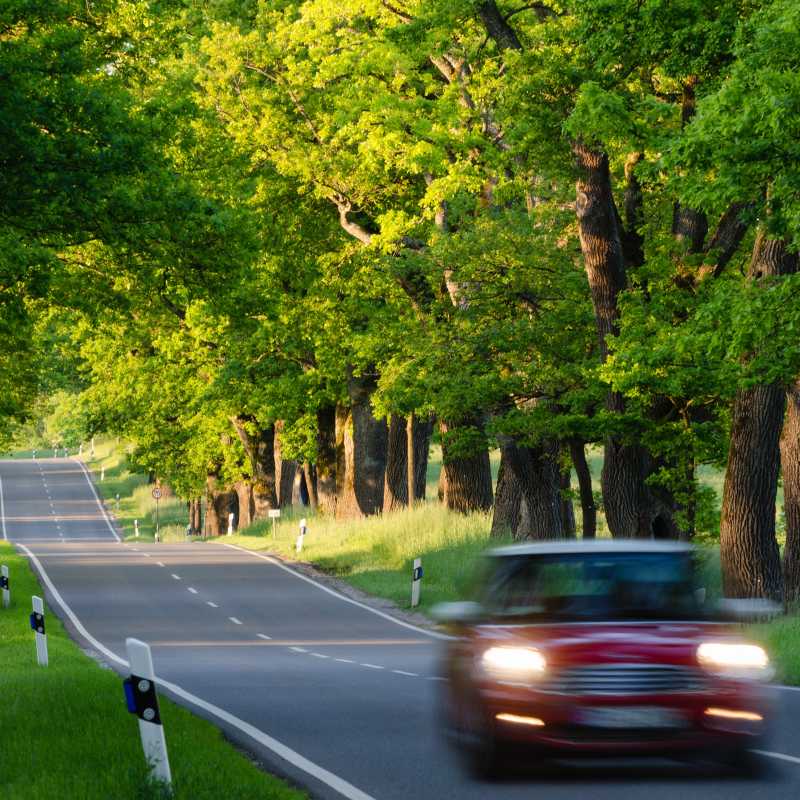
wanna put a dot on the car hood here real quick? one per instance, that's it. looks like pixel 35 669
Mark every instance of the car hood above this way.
pixel 611 643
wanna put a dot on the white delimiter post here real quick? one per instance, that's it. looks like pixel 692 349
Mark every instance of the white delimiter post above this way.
pixel 37 623
pixel 136 527
pixel 5 585
pixel 230 523
pixel 152 732
pixel 416 582
pixel 302 537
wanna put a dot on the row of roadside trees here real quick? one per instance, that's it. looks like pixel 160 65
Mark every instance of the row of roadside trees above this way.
pixel 278 244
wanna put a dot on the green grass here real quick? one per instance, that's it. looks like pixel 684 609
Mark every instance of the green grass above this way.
pixel 781 638
pixel 376 554
pixel 67 733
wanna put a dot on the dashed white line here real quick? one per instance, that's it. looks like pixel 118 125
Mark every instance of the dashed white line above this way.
pixel 319 655
pixel 370 666
pixel 403 672
pixel 160 563
pixel 345 660
pixel 147 555
pixel 192 589
pixel 177 577
pixel 779 756
pixel 235 621
pixel 263 636
pixel 298 649
pixel 436 678
pixel 213 605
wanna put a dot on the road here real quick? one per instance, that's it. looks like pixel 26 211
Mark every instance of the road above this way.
pixel 321 689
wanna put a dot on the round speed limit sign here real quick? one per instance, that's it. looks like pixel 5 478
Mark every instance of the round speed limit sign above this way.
pixel 156 493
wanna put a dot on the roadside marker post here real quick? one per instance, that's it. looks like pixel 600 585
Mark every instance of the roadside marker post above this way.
pixel 416 582
pixel 136 528
pixel 5 586
pixel 301 538
pixel 34 454
pixel 142 700
pixel 80 449
pixel 274 515
pixel 157 496
pixel 91 453
pixel 230 523
pixel 117 501
pixel 102 473
pixel 37 625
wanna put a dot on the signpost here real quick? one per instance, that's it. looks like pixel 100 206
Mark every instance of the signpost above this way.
pixel 157 496
pixel 274 514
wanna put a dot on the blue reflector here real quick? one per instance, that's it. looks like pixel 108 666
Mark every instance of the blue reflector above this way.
pixel 129 696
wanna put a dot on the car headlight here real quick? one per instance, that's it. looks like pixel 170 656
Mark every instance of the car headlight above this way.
pixel 732 660
pixel 513 663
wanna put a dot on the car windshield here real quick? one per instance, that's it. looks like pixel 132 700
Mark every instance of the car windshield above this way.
pixel 593 587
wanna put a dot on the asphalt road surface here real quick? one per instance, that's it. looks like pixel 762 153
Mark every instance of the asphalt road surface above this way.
pixel 336 697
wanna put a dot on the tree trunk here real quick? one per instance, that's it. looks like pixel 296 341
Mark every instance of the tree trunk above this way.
pixel 395 492
pixel 748 548
pixel 326 460
pixel 259 446
pixel 567 511
pixel 310 472
pixel 213 523
pixel 299 488
pixel 628 504
pixel 529 502
pixel 465 483
pixel 195 513
pixel 360 453
pixel 411 434
pixel 790 466
pixel 588 508
pixel 244 491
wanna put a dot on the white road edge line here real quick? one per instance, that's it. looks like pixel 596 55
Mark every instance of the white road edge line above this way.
pixel 3 511
pixel 371 666
pixel 192 589
pixel 779 756
pixel 235 621
pixel 263 636
pixel 177 577
pixel 265 740
pixel 277 563
pixel 213 605
pixel 403 672
pixel 94 492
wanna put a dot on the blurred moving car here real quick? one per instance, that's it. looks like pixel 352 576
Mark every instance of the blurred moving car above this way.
pixel 603 647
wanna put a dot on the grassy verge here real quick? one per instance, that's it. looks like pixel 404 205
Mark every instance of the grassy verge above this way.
pixel 376 554
pixel 67 732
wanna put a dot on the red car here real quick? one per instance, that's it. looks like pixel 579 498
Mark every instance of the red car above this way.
pixel 602 647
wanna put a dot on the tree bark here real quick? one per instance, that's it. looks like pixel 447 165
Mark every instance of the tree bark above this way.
pixel 195 521
pixel 360 452
pixel 411 434
pixel 588 508
pixel 325 467
pixel 748 547
pixel 395 493
pixel 259 447
pixel 465 483
pixel 310 472
pixel 790 466
pixel 244 491
pixel 529 501
pixel 567 511
pixel 626 500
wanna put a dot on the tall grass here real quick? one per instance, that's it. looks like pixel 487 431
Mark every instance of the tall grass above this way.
pixel 376 554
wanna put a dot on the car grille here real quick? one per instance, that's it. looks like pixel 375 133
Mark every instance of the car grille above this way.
pixel 625 679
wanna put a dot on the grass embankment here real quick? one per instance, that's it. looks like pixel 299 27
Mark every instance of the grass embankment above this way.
pixel 67 732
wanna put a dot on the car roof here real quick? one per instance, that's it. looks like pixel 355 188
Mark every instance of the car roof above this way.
pixel 579 546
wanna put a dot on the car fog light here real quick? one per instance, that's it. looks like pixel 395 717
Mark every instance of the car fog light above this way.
pixel 728 713
pixel 519 720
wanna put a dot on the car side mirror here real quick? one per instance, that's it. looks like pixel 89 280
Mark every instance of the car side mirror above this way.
pixel 749 609
pixel 462 613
